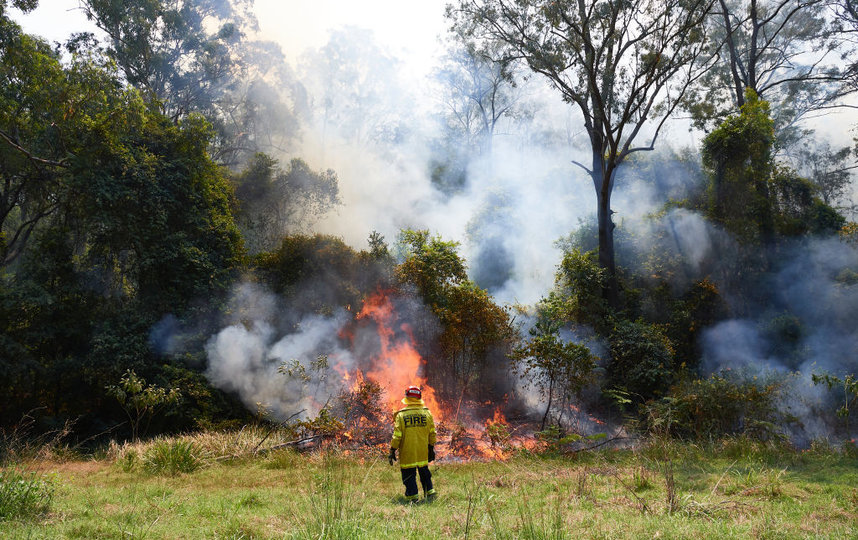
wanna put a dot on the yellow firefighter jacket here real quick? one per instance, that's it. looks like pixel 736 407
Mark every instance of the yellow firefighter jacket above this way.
pixel 413 432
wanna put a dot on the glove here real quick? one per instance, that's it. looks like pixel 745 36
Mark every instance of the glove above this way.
pixel 392 456
pixel 431 452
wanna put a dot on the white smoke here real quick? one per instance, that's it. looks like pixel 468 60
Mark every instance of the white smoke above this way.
pixel 804 324
pixel 277 370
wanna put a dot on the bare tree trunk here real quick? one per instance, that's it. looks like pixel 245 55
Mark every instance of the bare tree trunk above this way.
pixel 548 408
pixel 603 182
pixel 610 290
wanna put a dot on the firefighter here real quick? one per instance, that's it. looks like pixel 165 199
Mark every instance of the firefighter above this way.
pixel 414 437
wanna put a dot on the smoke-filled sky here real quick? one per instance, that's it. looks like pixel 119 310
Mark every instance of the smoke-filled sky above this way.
pixel 409 28
pixel 520 204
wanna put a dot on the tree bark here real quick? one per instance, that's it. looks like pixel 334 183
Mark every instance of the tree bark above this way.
pixel 603 173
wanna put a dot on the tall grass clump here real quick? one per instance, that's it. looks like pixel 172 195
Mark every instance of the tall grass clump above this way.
pixel 171 458
pixel 24 495
pixel 332 514
pixel 550 525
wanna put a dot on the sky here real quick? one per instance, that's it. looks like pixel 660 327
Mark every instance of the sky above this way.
pixel 410 28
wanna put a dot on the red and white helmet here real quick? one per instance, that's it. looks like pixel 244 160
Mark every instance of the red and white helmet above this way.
pixel 413 392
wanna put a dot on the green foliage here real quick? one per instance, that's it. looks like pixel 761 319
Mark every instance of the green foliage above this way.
pixel 476 331
pixel 721 405
pixel 580 281
pixel 698 308
pixel 273 201
pixel 750 194
pixel 198 57
pixel 431 265
pixel 48 116
pixel 24 494
pixel 325 424
pixel 474 328
pixel 557 440
pixel 294 369
pixel 343 275
pixel 558 368
pixel 141 401
pixel 171 458
pixel 498 434
pixel 642 360
pixel 798 209
pixel 116 216
pixel 739 155
pixel 849 387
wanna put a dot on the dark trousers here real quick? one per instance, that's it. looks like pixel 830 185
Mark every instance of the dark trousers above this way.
pixel 409 478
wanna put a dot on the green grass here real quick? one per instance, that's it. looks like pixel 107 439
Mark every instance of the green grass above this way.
pixel 168 457
pixel 24 494
pixel 717 492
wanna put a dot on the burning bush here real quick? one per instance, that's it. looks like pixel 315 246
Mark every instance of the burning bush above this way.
pixel 325 424
pixel 363 415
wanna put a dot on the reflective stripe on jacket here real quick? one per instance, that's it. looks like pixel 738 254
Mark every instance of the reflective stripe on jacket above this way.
pixel 413 432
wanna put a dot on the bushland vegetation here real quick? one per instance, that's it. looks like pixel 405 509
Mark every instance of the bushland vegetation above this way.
pixel 129 211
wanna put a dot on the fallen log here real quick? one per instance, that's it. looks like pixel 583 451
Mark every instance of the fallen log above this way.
pixel 262 451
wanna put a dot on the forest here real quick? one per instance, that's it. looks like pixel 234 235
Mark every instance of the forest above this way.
pixel 610 219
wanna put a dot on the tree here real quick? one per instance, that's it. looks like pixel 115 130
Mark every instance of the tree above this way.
pixel 431 265
pixel 641 360
pixel 577 298
pixel 114 216
pixel 829 170
pixel 478 93
pixel 46 116
pixel 359 95
pixel 196 56
pixel 141 401
pixel 321 272
pixel 751 194
pixel 274 201
pixel 474 328
pixel 786 51
pixel 739 154
pixel 625 65
pixel 558 368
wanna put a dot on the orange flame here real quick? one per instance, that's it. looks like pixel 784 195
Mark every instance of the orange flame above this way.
pixel 398 365
pixel 470 433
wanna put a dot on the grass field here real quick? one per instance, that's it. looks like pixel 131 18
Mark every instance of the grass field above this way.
pixel 734 489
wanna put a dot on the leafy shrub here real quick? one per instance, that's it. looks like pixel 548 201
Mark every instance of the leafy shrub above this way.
pixel 171 458
pixel 641 360
pixel 724 404
pixel 557 440
pixel 580 281
pixel 364 418
pixel 23 494
pixel 498 434
pixel 326 424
